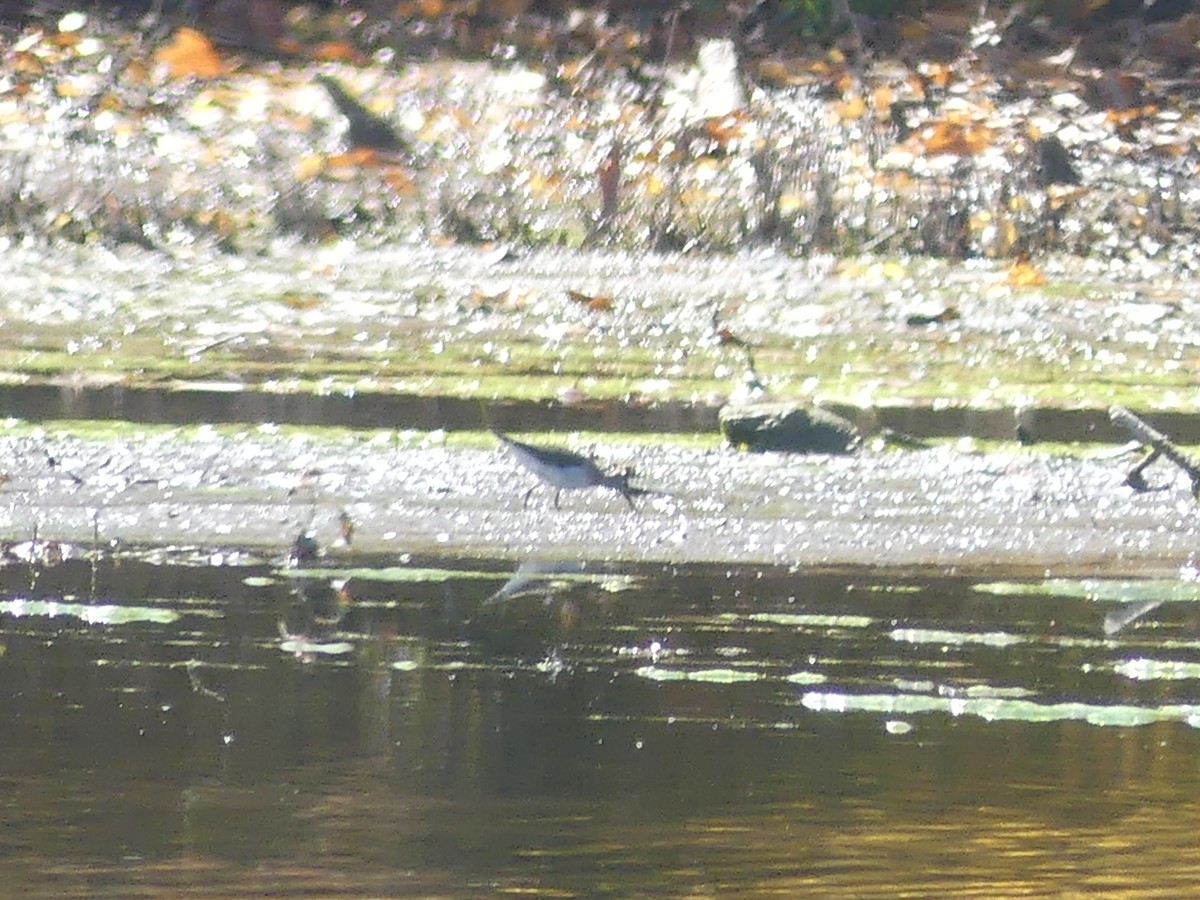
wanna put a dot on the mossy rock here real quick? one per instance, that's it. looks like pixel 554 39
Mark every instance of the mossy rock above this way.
pixel 788 428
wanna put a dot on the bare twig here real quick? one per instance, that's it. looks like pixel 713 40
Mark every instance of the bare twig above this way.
pixel 1160 446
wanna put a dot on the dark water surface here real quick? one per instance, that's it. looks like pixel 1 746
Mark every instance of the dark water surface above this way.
pixel 429 728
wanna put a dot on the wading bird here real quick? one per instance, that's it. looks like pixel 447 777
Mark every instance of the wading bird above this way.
pixel 566 470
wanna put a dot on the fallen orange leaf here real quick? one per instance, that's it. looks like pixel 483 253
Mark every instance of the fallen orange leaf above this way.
pixel 334 51
pixel 594 303
pixel 883 97
pixel 190 54
pixel 936 74
pixel 358 157
pixel 1023 273
pixel 852 109
pixel 723 129
pixel 777 73
pixel 135 72
pixel 308 167
pixel 26 63
pixel 399 180
pixel 957 139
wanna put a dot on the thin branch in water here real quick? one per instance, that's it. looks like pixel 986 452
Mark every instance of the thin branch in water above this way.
pixel 1160 446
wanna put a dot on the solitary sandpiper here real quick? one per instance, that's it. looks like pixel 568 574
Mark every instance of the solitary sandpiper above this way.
pixel 565 470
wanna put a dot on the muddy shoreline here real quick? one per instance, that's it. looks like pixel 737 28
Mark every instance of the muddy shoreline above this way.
pixel 377 379
pixel 1019 510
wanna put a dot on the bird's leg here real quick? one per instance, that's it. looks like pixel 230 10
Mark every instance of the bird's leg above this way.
pixel 528 494
pixel 557 491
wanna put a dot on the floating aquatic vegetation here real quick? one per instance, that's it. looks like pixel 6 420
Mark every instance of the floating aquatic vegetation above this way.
pixel 1117 590
pixel 1002 709
pixel 1157 670
pixel 711 676
pixel 92 614
pixel 814 620
pixel 941 636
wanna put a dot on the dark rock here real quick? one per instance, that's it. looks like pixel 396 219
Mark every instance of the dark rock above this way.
pixel 788 428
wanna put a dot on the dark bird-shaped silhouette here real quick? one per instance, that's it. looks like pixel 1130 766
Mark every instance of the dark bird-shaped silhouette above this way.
pixel 365 128
pixel 566 470
pixel 752 384
pixel 1053 164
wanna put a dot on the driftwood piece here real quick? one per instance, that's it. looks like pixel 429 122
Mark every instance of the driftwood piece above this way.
pixel 1160 446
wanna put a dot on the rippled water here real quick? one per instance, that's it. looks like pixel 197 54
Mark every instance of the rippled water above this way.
pixel 442 728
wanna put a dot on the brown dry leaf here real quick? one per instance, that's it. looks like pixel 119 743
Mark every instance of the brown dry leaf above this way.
pixel 399 180
pixel 899 180
pixel 1061 195
pixel 136 72
pixel 1023 273
pixel 26 63
pixel 1168 148
pixel 480 301
pixel 334 51
pixel 301 300
pixel 70 88
pixel 1123 118
pixel 356 158
pixel 724 129
pixel 110 103
pixel 190 54
pixel 882 97
pixel 777 73
pixel 309 167
pixel 916 86
pixel 596 303
pixel 956 138
pixel 572 68
pixel 220 222
pixel 937 74
pixel 545 186
pixel 852 108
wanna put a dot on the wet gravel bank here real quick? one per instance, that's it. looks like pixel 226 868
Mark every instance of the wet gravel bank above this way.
pixel 946 508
